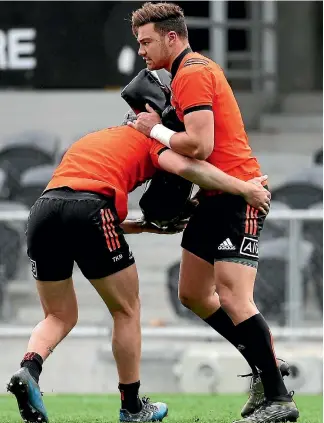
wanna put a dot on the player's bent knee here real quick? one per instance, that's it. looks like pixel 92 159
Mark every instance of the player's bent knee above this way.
pixel 73 319
pixel 227 301
pixel 185 301
pixel 67 320
pixel 234 303
pixel 126 309
pixel 187 297
pixel 193 303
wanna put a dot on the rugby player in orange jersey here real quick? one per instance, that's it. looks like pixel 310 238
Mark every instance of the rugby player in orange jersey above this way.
pixel 220 242
pixel 80 217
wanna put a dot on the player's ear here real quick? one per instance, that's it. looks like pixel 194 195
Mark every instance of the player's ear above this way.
pixel 172 37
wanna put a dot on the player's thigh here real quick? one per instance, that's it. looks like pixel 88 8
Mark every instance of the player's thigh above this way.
pixel 198 243
pixel 196 279
pixel 120 291
pixel 233 279
pixel 58 299
pixel 48 243
pixel 237 256
pixel 197 237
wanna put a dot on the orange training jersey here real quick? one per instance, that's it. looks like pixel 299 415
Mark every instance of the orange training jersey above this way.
pixel 111 162
pixel 199 84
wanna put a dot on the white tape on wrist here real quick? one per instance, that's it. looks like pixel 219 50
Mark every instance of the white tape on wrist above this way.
pixel 162 134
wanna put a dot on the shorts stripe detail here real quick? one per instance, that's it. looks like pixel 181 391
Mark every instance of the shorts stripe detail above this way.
pixel 255 221
pixel 110 227
pixel 252 224
pixel 247 219
pixel 251 220
pixel 104 227
pixel 113 228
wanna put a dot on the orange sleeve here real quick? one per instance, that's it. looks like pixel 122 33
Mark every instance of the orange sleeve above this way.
pixel 155 151
pixel 193 90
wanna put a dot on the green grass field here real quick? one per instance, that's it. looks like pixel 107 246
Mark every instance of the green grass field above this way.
pixel 182 408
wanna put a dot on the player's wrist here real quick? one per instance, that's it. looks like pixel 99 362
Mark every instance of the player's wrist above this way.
pixel 130 226
pixel 244 189
pixel 162 133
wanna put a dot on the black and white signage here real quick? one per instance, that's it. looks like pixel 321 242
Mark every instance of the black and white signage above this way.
pixel 250 247
pixel 73 45
pixel 17 49
pixel 47 45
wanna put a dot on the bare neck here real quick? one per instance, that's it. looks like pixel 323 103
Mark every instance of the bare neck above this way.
pixel 178 50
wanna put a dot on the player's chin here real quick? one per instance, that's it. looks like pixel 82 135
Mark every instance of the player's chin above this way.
pixel 150 66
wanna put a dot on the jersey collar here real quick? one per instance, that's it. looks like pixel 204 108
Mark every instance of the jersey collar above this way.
pixel 178 60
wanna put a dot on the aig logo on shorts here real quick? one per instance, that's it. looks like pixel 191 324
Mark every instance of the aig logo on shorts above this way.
pixel 33 268
pixel 249 247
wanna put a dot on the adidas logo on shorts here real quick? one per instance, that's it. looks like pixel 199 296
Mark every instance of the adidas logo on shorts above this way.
pixel 226 245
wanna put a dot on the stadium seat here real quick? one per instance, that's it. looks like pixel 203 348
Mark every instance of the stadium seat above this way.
pixel 4 193
pixel 313 232
pixel 61 155
pixel 32 184
pixel 17 225
pixel 275 228
pixel 9 181
pixel 28 150
pixel 312 175
pixel 318 157
pixel 12 244
pixel 10 250
pixel 298 195
pixel 12 206
pixel 271 285
pixel 12 237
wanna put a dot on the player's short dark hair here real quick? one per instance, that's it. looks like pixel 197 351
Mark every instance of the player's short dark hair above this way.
pixel 130 116
pixel 165 16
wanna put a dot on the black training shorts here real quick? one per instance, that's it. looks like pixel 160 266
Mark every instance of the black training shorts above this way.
pixel 224 228
pixel 66 226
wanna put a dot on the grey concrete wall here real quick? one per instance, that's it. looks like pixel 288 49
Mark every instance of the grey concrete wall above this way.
pixel 73 113
pixel 68 114
pixel 86 365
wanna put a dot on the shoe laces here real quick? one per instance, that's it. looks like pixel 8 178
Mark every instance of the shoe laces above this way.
pixel 248 375
pixel 253 377
pixel 147 403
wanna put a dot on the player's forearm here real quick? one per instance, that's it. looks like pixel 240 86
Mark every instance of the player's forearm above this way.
pixel 182 144
pixel 140 226
pixel 132 226
pixel 210 177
